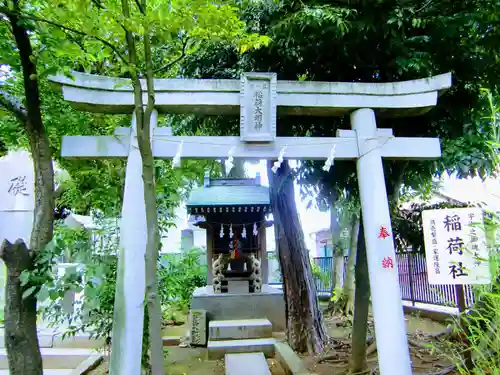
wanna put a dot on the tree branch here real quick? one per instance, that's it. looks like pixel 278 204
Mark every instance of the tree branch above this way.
pixel 175 61
pixel 8 12
pixel 98 4
pixel 11 104
pixel 141 9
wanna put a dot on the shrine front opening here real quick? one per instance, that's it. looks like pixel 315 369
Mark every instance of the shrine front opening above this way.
pixel 258 98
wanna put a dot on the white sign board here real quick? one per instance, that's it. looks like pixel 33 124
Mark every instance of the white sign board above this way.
pixel 455 246
pixel 17 196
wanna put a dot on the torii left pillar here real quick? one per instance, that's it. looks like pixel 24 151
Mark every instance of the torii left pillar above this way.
pixel 128 317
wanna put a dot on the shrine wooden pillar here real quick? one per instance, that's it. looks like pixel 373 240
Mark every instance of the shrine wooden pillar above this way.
pixel 210 254
pixel 264 265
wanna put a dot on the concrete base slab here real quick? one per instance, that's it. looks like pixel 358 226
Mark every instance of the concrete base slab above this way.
pixel 52 339
pixel 289 360
pixel 171 340
pixel 45 372
pixel 79 341
pixel 218 349
pixel 44 340
pixel 239 329
pixel 88 365
pixel 269 304
pixel 54 358
pixel 247 364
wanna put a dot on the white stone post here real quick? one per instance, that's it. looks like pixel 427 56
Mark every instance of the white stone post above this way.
pixel 128 320
pixel 390 329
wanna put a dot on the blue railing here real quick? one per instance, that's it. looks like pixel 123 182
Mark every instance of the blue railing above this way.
pixel 413 281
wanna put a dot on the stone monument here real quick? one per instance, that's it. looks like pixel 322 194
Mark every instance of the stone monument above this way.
pixel 17 203
pixel 17 196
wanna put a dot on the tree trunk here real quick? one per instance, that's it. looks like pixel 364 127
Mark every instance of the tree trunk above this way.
pixel 152 248
pixel 361 306
pixel 337 254
pixel 143 121
pixel 338 270
pixel 153 242
pixel 305 329
pixel 21 340
pixel 348 293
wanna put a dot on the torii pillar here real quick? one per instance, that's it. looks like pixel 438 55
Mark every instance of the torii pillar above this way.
pixel 390 328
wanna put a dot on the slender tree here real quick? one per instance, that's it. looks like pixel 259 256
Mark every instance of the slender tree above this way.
pixel 357 361
pixel 21 337
pixel 305 328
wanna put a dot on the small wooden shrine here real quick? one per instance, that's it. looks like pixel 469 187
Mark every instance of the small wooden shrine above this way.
pixel 233 212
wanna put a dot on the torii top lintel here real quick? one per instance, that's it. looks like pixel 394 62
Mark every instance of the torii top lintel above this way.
pixel 225 96
pixel 259 98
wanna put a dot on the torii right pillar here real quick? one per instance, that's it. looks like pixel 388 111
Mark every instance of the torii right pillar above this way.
pixel 390 329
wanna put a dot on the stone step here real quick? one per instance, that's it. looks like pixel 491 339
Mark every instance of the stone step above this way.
pixel 46 372
pixel 44 340
pixel 54 340
pixel 247 364
pixel 239 329
pixel 55 358
pixel 218 349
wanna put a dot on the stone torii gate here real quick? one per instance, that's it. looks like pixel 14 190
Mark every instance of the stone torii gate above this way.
pixel 258 98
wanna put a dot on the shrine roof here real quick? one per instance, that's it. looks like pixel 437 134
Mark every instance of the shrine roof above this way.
pixel 229 192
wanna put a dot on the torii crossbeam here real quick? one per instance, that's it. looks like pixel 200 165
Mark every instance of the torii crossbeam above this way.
pixel 258 98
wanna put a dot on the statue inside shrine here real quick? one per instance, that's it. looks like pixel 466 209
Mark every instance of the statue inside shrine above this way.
pixel 237 264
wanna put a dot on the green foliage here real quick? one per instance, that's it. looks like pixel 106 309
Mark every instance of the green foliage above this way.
pixel 406 40
pixel 74 31
pixel 319 274
pixel 407 224
pixel 95 278
pixel 178 276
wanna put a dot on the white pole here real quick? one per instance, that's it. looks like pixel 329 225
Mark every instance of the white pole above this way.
pixel 390 329
pixel 128 319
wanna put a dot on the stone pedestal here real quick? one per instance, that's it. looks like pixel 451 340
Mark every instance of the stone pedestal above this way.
pixel 268 304
pixel 238 286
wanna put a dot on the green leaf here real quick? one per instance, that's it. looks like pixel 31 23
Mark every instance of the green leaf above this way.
pixel 28 292
pixel 24 277
pixel 47 72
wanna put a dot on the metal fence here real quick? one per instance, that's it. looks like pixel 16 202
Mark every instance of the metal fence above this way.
pixel 413 281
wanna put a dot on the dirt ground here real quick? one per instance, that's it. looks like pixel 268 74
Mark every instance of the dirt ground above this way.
pixel 192 361
pixel 335 360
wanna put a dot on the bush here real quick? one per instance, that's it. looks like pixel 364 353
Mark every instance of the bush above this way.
pixel 96 278
pixel 481 325
pixel 178 276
